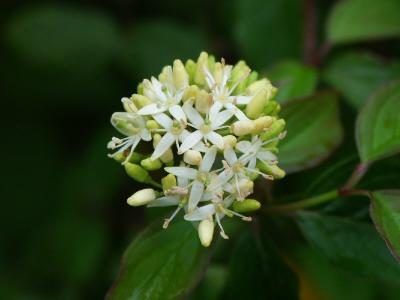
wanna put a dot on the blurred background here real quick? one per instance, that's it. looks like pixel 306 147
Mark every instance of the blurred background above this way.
pixel 64 67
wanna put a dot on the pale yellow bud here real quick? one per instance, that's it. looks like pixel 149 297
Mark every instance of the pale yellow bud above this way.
pixel 191 67
pixel 243 127
pixel 190 93
pixel 151 124
pixel 246 187
pixel 142 197
pixel 256 106
pixel 263 123
pixel 192 157
pixel 181 77
pixel 230 141
pixel 206 232
pixel 203 102
pixel 140 100
pixel 168 182
pixel 202 62
pixel 128 105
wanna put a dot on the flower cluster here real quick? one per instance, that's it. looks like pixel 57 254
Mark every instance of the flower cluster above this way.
pixel 213 128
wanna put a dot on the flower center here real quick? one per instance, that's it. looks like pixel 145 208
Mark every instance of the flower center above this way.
pixel 237 167
pixel 176 128
pixel 206 128
pixel 202 177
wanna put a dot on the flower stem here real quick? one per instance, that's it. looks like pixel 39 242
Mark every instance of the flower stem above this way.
pixel 356 176
pixel 154 183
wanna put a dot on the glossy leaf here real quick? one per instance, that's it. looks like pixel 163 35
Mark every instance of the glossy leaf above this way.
pixel 385 211
pixel 256 271
pixel 159 264
pixel 357 75
pixel 313 131
pixel 293 80
pixel 266 31
pixel 360 20
pixel 378 124
pixel 351 245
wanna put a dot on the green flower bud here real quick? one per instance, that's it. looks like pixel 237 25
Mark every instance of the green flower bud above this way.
pixel 256 106
pixel 263 84
pixel 261 124
pixel 119 157
pixel 274 130
pixel 247 205
pixel 190 93
pixel 243 127
pixel 272 108
pixel 252 77
pixel 151 124
pixel 142 197
pixel 168 155
pixel 137 172
pixel 206 232
pixel 191 67
pixel 202 61
pixel 140 100
pixel 271 169
pixel 140 88
pixel 239 73
pixel 181 77
pixel 128 105
pixel 168 182
pixel 151 165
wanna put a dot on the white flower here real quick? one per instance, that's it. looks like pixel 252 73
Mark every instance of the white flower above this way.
pixel 133 126
pixel 174 132
pixel 205 128
pixel 163 99
pixel 222 93
pixel 217 209
pixel 199 176
pixel 255 150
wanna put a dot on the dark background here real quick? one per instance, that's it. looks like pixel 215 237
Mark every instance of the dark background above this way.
pixel 64 68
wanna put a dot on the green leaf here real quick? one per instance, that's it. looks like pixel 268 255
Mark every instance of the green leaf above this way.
pixel 267 31
pixel 256 271
pixel 385 211
pixel 63 37
pixel 293 80
pixel 212 284
pixel 360 20
pixel 153 44
pixel 313 131
pixel 351 245
pixel 357 75
pixel 159 264
pixel 378 124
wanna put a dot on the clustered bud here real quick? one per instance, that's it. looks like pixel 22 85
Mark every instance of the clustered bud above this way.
pixel 213 128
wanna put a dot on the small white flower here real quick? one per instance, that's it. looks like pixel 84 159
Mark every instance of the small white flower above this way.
pixel 222 94
pixel 199 176
pixel 133 126
pixel 205 128
pixel 255 151
pixel 174 132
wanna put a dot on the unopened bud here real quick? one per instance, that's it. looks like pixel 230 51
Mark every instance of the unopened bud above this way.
pixel 203 102
pixel 272 108
pixel 190 67
pixel 181 77
pixel 245 187
pixel 252 77
pixel 230 141
pixel 137 172
pixel 192 157
pixel 151 124
pixel 262 84
pixel 168 182
pixel 247 205
pixel 243 127
pixel 256 106
pixel 128 105
pixel 276 128
pixel 206 232
pixel 135 157
pixel 202 62
pixel 168 155
pixel 261 124
pixel 271 169
pixel 140 100
pixel 240 72
pixel 151 165
pixel 190 93
pixel 142 197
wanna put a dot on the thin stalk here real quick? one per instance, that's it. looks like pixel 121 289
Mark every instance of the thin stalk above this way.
pixel 154 183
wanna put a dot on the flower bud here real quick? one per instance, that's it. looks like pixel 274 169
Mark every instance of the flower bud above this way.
pixel 190 93
pixel 202 62
pixel 140 88
pixel 151 165
pixel 137 172
pixel 140 100
pixel 181 77
pixel 192 157
pixel 272 108
pixel 247 205
pixel 262 84
pixel 203 102
pixel 142 197
pixel 274 130
pixel 168 182
pixel 206 232
pixel 245 187
pixel 243 127
pixel 239 73
pixel 261 124
pixel 252 77
pixel 135 157
pixel 256 106
pixel 168 155
pixel 271 169
pixel 230 140
pixel 128 105
pixel 190 67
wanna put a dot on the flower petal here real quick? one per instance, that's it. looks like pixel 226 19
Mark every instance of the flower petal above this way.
pixel 182 171
pixel 266 155
pixel 214 109
pixel 216 139
pixel 166 141
pixel 201 213
pixel 164 201
pixel 196 193
pixel 177 112
pixel 243 146
pixel 152 109
pixel 230 156
pixel 236 111
pixel 191 140
pixel 242 100
pixel 208 160
pixel 220 118
pixel 145 135
pixel 192 114
pixel 162 119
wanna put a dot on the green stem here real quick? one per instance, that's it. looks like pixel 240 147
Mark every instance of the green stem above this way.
pixel 313 201
pixel 154 183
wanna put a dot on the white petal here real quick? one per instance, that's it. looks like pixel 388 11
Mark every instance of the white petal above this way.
pixel 177 112
pixel 166 141
pixel 242 100
pixel 191 140
pixel 200 213
pixel 152 109
pixel 196 193
pixel 226 74
pixel 182 171
pixel 220 118
pixel 243 146
pixel 216 139
pixel 253 163
pixel 157 88
pixel 266 155
pixel 163 120
pixel 145 135
pixel 230 156
pixel 209 78
pixel 214 109
pixel 164 201
pixel 208 160
pixel 182 181
pixel 228 201
pixel 236 111
pixel 192 114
